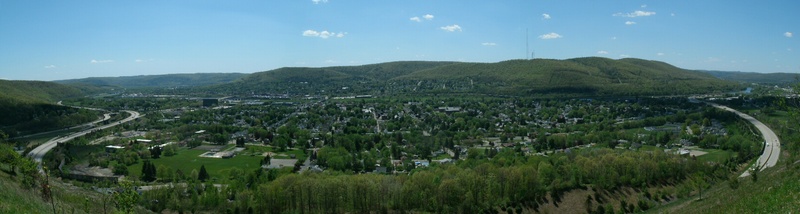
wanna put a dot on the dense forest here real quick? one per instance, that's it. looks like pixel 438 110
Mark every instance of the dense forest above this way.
pixel 592 76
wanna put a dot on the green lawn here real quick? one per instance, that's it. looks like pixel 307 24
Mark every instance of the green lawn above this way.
pixel 188 159
pixel 257 150
pixel 716 155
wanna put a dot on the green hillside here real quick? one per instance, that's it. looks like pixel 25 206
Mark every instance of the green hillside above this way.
pixel 590 76
pixel 159 81
pixel 751 77
pixel 29 106
pixel 37 91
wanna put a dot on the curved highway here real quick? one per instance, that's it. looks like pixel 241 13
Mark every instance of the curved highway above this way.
pixel 772 147
pixel 38 153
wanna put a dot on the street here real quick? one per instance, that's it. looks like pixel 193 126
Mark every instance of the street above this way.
pixel 772 147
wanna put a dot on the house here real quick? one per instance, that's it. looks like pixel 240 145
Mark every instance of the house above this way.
pixel 112 148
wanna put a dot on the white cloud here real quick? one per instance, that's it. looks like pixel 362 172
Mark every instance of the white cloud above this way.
pixel 644 6
pixel 323 34
pixel 660 54
pixel 788 34
pixel 427 17
pixel 630 23
pixel 550 36
pixel 488 44
pixel 672 14
pixel 49 66
pixel 545 16
pixel 637 13
pixel 94 61
pixel 624 55
pixel 142 60
pixel 602 52
pixel 614 38
pixel 330 61
pixel 451 28
pixel 319 1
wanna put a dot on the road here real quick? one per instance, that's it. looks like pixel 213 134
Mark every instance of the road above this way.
pixel 39 152
pixel 105 117
pixel 772 149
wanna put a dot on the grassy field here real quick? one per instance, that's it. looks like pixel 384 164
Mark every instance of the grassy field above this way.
pixel 716 155
pixel 188 159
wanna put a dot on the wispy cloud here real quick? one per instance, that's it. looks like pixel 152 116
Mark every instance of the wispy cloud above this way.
pixel 550 36
pixel 427 17
pixel 488 44
pixel 545 16
pixel 49 66
pixel 323 34
pixel 637 13
pixel 630 23
pixel 94 61
pixel 602 52
pixel 451 28
pixel 142 60
pixel 644 6
pixel 624 55
pixel 660 54
pixel 319 1
pixel 788 34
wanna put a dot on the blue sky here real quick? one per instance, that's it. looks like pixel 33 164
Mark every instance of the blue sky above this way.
pixel 52 40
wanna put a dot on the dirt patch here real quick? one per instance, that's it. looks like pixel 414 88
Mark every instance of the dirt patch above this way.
pixel 279 163
pixel 91 171
pixel 697 153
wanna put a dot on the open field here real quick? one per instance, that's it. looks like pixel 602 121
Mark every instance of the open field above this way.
pixel 188 159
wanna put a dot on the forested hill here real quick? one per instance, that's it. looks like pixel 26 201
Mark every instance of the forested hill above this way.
pixel 29 106
pixel 159 81
pixel 751 77
pixel 592 76
pixel 38 91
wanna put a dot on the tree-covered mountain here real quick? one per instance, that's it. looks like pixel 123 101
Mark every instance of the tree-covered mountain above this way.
pixel 592 76
pixel 29 106
pixel 38 91
pixel 752 77
pixel 159 81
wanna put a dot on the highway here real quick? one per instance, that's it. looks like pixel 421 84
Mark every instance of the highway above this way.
pixel 772 147
pixel 38 153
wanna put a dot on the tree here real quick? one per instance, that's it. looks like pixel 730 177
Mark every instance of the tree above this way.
pixel 155 152
pixel 698 181
pixel 127 198
pixel 148 171
pixel 203 174
pixel 170 150
pixel 240 142
pixel 120 169
pixel 267 160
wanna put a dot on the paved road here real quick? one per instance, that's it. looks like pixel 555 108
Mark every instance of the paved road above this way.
pixel 772 149
pixel 105 117
pixel 39 152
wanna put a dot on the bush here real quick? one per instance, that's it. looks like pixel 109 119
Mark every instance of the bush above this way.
pixel 120 169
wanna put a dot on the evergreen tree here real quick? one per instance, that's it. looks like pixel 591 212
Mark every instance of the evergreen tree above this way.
pixel 148 171
pixel 203 174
